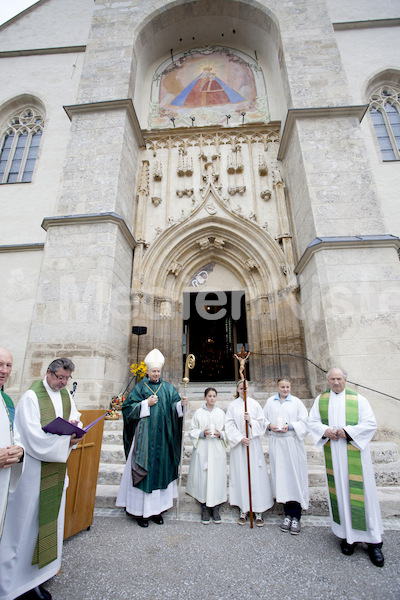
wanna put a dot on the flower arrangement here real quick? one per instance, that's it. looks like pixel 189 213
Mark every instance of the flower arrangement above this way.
pixel 117 401
pixel 112 414
pixel 139 370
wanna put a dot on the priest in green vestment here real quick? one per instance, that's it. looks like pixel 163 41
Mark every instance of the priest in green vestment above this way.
pixel 342 422
pixel 32 540
pixel 152 439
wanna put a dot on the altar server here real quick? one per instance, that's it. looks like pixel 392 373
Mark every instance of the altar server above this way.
pixel 207 471
pixel 235 427
pixel 286 420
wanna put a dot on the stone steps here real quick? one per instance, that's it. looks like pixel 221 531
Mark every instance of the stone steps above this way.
pixel 110 474
pixel 389 501
pixel 384 454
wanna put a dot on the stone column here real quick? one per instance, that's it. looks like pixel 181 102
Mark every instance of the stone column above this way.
pixel 83 304
pixel 347 260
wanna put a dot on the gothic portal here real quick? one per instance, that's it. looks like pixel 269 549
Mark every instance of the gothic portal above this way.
pixel 221 173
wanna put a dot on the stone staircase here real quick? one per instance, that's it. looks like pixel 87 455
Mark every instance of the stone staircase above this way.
pixel 385 457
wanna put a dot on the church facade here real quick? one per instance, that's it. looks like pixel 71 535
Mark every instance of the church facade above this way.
pixel 222 174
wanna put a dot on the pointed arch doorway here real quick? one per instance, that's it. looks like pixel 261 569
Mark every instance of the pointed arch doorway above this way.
pixel 214 328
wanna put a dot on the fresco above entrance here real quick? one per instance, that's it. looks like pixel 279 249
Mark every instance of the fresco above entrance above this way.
pixel 208 86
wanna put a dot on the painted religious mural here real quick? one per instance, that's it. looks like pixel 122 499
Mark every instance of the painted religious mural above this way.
pixel 208 86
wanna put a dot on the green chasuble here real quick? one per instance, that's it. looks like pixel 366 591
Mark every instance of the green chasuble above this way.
pixel 157 438
pixel 353 461
pixel 51 483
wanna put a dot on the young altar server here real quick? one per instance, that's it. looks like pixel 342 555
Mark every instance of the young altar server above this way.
pixel 207 471
pixel 286 419
pixel 235 427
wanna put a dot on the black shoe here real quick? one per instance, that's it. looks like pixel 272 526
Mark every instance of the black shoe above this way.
pixel 37 593
pixel 347 549
pixel 157 519
pixel 376 556
pixel 142 522
pixel 205 515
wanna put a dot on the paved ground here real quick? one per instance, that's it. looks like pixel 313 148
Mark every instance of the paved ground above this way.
pixel 185 560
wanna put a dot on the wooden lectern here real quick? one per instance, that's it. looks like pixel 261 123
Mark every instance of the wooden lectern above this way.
pixel 83 468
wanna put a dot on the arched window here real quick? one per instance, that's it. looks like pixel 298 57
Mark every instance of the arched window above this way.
pixel 20 146
pixel 385 114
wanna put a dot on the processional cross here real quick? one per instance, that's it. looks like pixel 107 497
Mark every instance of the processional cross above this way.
pixel 190 363
pixel 242 357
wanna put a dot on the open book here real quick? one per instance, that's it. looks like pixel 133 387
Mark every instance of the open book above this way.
pixel 63 427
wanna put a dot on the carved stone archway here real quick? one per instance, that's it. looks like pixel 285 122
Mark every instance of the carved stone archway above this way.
pixel 214 233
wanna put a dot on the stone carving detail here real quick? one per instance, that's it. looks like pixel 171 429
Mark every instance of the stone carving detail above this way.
pixel 235 168
pixel 157 174
pixel 219 243
pixel 184 170
pixel 235 161
pixel 277 176
pixel 204 243
pixel 236 189
pixel 211 208
pixel 165 309
pixel 238 210
pixel 144 178
pixel 250 179
pixel 175 268
pixel 207 242
pixel 285 269
pixel 210 167
pixel 250 264
pixel 266 195
pixel 185 164
pixel 185 192
pixel 262 166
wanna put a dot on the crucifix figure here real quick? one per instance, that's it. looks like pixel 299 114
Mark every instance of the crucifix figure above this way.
pixel 242 357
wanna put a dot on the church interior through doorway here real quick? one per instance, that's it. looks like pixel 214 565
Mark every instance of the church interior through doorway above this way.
pixel 214 329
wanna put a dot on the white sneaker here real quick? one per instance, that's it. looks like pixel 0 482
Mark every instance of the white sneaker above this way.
pixel 242 518
pixel 286 523
pixel 295 526
pixel 259 520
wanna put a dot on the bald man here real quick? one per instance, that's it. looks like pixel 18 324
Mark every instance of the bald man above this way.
pixel 11 451
pixel 342 422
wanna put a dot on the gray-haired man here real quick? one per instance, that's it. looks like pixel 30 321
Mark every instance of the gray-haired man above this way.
pixel 342 422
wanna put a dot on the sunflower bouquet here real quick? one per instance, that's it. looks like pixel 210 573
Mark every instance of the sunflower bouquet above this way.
pixel 139 370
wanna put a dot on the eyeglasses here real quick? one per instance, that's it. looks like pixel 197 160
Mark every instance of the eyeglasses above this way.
pixel 61 377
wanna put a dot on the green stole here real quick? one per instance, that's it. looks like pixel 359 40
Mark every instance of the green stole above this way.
pixel 10 410
pixel 51 483
pixel 353 460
